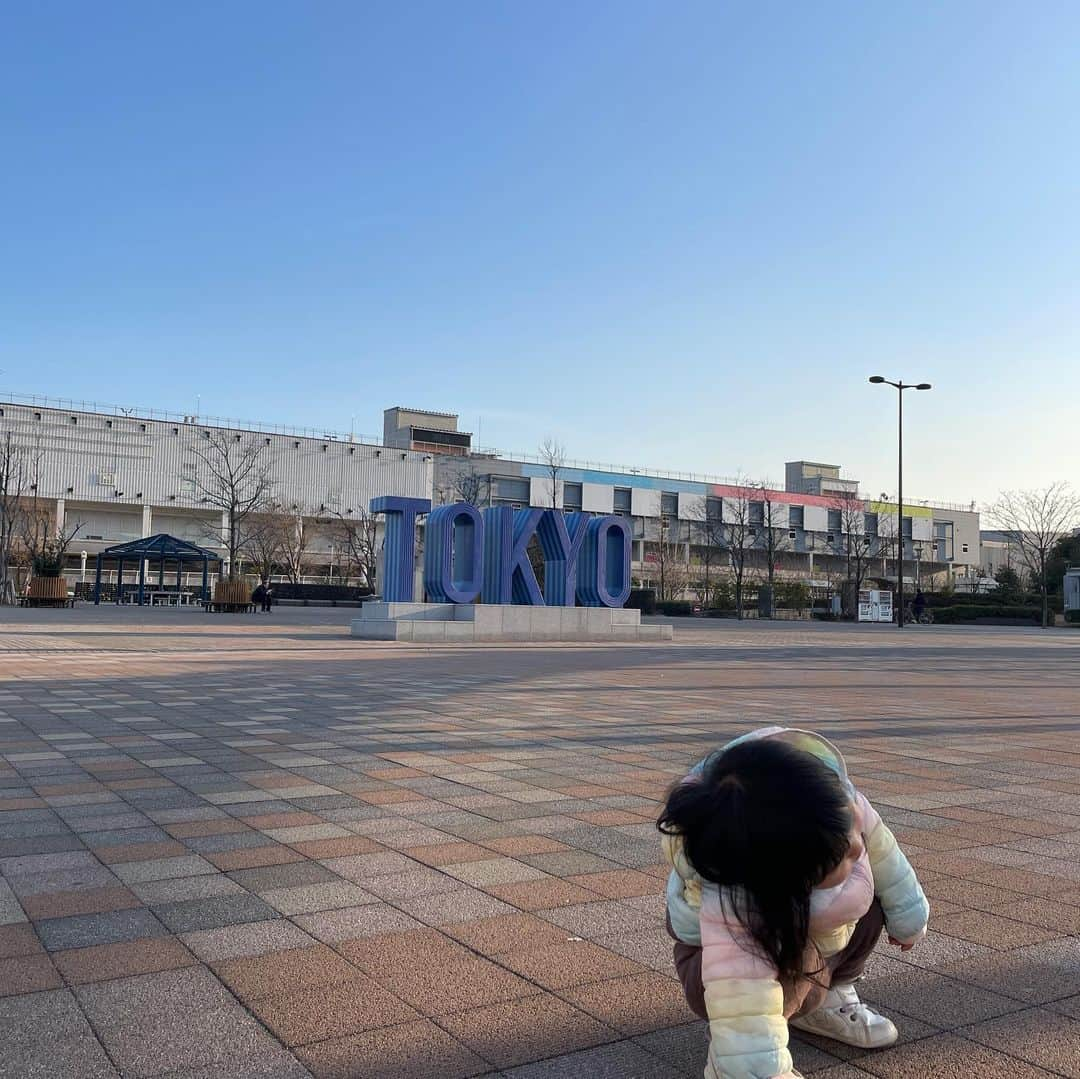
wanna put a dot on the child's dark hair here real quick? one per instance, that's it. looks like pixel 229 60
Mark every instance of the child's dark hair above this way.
pixel 771 822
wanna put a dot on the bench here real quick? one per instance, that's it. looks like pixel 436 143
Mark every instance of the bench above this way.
pixel 229 608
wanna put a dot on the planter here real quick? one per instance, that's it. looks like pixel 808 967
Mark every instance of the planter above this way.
pixel 232 592
pixel 48 588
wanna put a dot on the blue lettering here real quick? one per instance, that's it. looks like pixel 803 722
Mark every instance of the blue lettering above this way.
pixel 467 555
pixel 453 554
pixel 399 544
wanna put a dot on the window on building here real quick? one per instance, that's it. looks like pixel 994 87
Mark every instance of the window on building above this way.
pixel 37 415
pixel 108 423
pixel 964 548
pixel 142 426
pixel 513 489
pixel 669 504
pixel 714 508
pixel 870 524
pixel 835 523
pixel 572 496
pixel 621 499
pixel 795 517
pixel 756 514
pixel 73 420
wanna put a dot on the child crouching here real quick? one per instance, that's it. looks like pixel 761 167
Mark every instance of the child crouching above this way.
pixel 783 877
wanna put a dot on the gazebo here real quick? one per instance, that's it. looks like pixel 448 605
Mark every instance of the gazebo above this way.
pixel 157 549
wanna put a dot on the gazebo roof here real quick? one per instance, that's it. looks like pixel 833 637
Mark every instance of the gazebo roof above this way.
pixel 160 546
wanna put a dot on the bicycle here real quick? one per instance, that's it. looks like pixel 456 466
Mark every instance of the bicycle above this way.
pixel 924 619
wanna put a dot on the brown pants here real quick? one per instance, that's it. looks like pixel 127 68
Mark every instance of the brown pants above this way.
pixel 806 993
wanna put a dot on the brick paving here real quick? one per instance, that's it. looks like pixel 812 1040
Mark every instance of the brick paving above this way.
pixel 255 847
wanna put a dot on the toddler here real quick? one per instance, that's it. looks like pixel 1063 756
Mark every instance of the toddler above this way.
pixel 783 877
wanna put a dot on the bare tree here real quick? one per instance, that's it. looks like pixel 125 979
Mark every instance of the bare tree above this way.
pixel 857 546
pixel 707 537
pixel 13 468
pixel 44 538
pixel 774 538
pixel 461 482
pixel 233 476
pixel 358 536
pixel 671 564
pixel 739 535
pixel 296 528
pixel 553 458
pixel 1035 521
pixel 886 542
pixel 263 541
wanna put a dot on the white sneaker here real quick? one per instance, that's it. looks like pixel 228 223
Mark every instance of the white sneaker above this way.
pixel 845 1018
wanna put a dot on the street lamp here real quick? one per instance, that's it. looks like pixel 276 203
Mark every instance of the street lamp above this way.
pixel 877 380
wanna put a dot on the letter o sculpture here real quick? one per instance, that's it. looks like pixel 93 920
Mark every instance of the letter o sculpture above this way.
pixel 453 554
pixel 605 581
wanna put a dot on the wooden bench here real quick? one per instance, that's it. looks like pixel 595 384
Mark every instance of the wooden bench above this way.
pixel 229 608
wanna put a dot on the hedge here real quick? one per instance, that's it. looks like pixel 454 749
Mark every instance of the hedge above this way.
pixel 676 608
pixel 319 593
pixel 971 612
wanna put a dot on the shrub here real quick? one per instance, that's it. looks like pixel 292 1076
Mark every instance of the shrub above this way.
pixel 794 595
pixel 723 597
pixel 321 593
pixel 642 599
pixel 675 608
pixel 1073 617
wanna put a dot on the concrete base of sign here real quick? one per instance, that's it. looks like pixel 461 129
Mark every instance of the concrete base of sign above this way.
pixel 431 623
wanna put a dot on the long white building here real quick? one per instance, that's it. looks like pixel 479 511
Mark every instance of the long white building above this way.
pixel 122 474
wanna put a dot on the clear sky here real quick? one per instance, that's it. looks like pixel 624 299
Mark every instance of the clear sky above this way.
pixel 671 234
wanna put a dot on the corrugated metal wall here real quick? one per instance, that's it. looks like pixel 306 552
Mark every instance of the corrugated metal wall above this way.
pixel 87 457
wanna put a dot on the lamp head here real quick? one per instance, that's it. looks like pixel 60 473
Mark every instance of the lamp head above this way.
pixel 923 386
pixel 876 379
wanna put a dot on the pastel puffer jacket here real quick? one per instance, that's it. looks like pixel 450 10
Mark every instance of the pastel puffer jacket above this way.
pixel 748 1033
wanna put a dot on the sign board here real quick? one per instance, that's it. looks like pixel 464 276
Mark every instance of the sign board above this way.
pixel 469 554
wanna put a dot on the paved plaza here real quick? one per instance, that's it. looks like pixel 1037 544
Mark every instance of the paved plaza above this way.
pixel 251 846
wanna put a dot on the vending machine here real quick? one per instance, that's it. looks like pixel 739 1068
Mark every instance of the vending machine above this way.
pixel 875 605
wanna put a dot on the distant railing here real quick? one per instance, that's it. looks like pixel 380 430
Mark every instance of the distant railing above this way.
pixel 327 435
pixel 623 470
pixel 161 415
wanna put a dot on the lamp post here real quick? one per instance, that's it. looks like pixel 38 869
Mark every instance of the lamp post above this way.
pixel 877 380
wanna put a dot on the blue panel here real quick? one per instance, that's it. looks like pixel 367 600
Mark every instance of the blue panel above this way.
pixel 453 554
pixel 618 479
pixel 561 538
pixel 508 574
pixel 399 544
pixel 604 580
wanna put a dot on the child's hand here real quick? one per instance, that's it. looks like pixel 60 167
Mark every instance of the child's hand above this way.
pixel 901 945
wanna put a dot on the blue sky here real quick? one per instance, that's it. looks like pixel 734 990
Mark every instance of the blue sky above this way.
pixel 676 235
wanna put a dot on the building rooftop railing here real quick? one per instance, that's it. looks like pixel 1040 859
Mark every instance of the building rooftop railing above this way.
pixel 163 416
pixel 325 434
